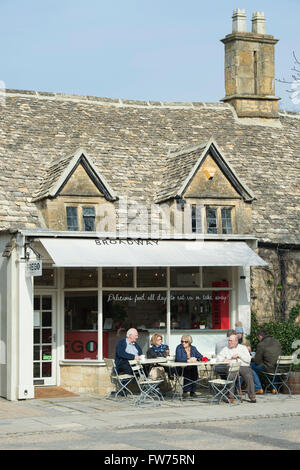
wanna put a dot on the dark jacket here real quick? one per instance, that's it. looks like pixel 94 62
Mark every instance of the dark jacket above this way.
pixel 180 355
pixel 154 352
pixel 267 353
pixel 122 354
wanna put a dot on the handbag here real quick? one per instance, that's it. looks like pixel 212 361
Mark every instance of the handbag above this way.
pixel 157 373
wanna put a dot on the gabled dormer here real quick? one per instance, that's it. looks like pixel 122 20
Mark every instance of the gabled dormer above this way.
pixel 200 179
pixel 71 192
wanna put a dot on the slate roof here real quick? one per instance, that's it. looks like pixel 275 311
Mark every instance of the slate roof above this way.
pixel 129 143
pixel 182 165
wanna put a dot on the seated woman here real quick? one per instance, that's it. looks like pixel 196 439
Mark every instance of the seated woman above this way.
pixel 157 349
pixel 185 352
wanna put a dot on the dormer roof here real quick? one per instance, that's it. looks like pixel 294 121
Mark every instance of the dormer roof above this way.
pixel 182 166
pixel 61 170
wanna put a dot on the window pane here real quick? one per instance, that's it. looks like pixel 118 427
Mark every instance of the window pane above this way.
pixel 46 318
pixel 197 219
pixel 151 277
pixel 211 220
pixel 199 309
pixel 72 218
pixel 46 279
pixel 117 277
pixel 81 310
pixel 142 310
pixel 88 214
pixel 226 221
pixel 81 277
pixel 214 275
pixel 81 325
pixel 185 277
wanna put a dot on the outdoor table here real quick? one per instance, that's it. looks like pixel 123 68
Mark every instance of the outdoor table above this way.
pixel 207 369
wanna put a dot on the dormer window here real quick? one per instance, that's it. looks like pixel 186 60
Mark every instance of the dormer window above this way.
pixel 72 218
pixel 216 219
pixel 81 218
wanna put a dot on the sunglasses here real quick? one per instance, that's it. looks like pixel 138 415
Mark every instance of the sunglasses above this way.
pixel 184 341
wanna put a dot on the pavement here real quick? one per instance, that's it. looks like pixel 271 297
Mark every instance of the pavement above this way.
pixel 95 412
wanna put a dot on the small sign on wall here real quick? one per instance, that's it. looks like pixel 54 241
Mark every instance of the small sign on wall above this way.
pixel 34 268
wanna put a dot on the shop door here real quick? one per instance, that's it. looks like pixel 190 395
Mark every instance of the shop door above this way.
pixel 44 339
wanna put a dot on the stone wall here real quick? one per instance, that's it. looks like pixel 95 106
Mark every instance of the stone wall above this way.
pixel 85 379
pixel 276 290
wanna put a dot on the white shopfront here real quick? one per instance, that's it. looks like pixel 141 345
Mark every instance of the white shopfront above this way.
pixel 93 289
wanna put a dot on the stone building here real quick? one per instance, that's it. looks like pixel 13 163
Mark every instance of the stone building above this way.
pixel 171 216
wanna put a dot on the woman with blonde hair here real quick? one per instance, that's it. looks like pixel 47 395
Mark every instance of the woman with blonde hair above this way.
pixel 185 352
pixel 157 349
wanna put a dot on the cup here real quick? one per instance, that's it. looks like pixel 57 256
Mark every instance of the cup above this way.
pixel 143 357
pixel 213 360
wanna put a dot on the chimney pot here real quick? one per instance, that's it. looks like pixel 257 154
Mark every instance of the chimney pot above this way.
pixel 258 23
pixel 239 21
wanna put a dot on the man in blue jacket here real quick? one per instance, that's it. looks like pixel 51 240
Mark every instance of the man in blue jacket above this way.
pixel 127 350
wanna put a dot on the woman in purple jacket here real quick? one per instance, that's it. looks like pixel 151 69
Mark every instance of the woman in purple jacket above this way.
pixel 185 352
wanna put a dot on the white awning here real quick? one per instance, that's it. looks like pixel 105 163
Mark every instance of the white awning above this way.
pixel 67 252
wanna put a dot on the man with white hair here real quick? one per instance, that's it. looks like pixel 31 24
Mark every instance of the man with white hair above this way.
pixel 240 353
pixel 127 349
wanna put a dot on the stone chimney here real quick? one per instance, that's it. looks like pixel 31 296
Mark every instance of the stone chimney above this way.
pixel 249 67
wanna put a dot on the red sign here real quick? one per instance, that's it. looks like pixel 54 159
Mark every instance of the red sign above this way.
pixel 82 345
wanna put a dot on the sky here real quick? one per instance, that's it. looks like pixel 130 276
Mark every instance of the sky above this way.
pixel 165 50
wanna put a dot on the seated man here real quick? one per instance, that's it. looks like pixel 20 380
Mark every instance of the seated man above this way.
pixel 267 352
pixel 223 342
pixel 240 353
pixel 127 350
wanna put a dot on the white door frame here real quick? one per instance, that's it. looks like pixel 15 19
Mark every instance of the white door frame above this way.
pixel 47 381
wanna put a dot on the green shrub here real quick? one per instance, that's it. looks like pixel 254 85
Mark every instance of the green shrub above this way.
pixel 285 331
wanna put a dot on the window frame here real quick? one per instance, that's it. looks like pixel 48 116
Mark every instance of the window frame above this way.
pixel 200 221
pixel 80 216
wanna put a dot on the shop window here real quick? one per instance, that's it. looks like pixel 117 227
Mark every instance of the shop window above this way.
pixel 151 277
pixel 185 277
pixel 117 277
pixel 211 275
pixel 199 310
pixel 47 279
pixel 81 277
pixel 81 325
pixel 139 309
pixel 81 218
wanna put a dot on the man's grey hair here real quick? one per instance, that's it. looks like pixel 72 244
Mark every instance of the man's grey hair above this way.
pixel 131 331
pixel 231 332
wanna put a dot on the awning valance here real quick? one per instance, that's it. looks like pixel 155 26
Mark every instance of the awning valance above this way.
pixel 137 252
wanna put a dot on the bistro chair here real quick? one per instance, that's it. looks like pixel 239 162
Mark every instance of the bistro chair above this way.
pixel 148 388
pixel 221 388
pixel 279 378
pixel 120 381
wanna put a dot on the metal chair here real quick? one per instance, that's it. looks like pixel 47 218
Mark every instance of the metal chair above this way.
pixel 221 388
pixel 148 388
pixel 276 380
pixel 120 381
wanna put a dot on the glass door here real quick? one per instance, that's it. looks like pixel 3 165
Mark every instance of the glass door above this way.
pixel 44 339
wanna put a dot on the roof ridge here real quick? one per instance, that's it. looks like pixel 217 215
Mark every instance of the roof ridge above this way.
pixel 117 102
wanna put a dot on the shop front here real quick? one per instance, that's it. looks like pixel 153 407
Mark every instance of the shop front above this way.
pixel 81 309
pixel 62 322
